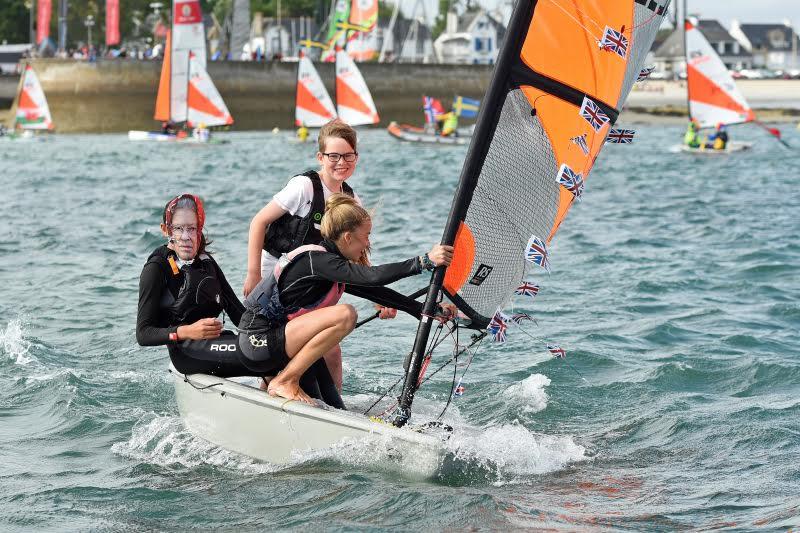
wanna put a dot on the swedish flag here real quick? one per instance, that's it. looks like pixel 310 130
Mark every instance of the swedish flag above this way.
pixel 466 107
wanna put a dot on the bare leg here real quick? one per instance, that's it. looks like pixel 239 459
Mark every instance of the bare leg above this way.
pixel 308 338
pixel 333 359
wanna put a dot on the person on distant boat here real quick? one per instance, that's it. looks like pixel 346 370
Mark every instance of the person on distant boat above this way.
pixel 450 125
pixel 292 217
pixel 691 139
pixel 201 133
pixel 182 291
pixel 167 127
pixel 302 133
pixel 293 318
pixel 718 139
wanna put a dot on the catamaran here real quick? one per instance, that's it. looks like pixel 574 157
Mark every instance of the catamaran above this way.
pixel 32 112
pixel 712 94
pixel 186 94
pixel 523 172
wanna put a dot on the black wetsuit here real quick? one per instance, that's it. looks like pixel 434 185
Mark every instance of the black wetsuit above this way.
pixel 306 280
pixel 222 357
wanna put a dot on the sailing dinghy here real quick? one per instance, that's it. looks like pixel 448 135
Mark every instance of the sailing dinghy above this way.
pixel 32 112
pixel 712 92
pixel 186 94
pixel 353 100
pixel 523 171
pixel 313 105
pixel 433 110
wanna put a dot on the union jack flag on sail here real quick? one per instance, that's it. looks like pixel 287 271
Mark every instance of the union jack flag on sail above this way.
pixel 527 289
pixel 580 140
pixel 536 253
pixel 557 351
pixel 593 114
pixel 498 326
pixel 614 41
pixel 433 108
pixel 570 180
pixel 459 391
pixel 645 73
pixel 519 318
pixel 616 136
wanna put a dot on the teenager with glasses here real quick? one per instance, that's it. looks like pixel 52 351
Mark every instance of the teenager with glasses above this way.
pixel 292 218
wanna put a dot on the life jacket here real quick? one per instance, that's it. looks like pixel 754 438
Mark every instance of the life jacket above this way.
pixel 291 231
pixel 200 294
pixel 450 124
pixel 690 139
pixel 265 300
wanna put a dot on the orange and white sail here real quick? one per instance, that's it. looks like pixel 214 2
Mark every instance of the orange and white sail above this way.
pixel 204 104
pixel 162 112
pixel 353 99
pixel 188 37
pixel 713 96
pixel 313 104
pixel 362 43
pixel 33 112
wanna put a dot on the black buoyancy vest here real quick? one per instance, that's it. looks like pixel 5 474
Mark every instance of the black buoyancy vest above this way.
pixel 200 294
pixel 292 231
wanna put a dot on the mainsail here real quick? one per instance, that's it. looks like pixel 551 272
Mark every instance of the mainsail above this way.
pixel 361 43
pixel 204 104
pixel 565 70
pixel 713 96
pixel 32 110
pixel 188 37
pixel 353 99
pixel 313 105
pixel 340 12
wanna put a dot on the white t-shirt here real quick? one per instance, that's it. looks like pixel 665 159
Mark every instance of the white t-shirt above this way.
pixel 296 198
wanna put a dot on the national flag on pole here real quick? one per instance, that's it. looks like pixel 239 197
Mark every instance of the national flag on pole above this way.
pixel 645 73
pixel 570 180
pixel 616 136
pixel 466 107
pixel 557 351
pixel 527 289
pixel 433 109
pixel 614 41
pixel 580 140
pixel 536 253
pixel 593 114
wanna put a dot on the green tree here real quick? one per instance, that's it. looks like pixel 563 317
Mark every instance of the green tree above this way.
pixel 14 20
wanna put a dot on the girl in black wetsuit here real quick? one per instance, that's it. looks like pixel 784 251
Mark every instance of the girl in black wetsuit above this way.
pixel 290 323
pixel 182 291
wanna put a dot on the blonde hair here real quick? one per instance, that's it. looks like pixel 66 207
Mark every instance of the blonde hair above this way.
pixel 339 129
pixel 342 213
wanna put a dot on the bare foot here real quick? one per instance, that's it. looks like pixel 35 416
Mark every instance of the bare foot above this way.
pixel 290 391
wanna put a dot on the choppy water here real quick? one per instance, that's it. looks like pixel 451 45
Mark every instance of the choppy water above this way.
pixel 675 291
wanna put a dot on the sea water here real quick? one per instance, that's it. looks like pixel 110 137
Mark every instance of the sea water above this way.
pixel 674 291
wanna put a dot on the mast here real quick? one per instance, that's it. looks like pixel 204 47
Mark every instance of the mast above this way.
pixel 389 31
pixel 488 118
pixel 686 58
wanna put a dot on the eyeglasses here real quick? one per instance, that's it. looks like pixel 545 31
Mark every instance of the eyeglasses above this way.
pixel 189 231
pixel 334 157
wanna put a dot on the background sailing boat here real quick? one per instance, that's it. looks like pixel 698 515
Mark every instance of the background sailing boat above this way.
pixel 32 112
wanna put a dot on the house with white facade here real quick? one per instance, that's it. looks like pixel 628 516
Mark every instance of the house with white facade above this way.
pixel 474 38
pixel 773 46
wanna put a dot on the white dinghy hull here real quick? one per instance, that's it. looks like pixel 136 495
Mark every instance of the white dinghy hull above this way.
pixel 246 420
pixel 729 149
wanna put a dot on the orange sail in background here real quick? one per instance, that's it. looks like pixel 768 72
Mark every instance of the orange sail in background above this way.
pixel 162 100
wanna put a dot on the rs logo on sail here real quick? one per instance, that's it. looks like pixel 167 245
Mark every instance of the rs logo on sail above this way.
pixel 481 274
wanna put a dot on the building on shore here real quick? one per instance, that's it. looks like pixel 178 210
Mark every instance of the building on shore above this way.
pixel 409 41
pixel 471 39
pixel 670 56
pixel 773 46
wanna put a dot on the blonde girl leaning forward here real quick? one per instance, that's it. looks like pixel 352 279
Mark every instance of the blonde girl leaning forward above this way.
pixel 293 317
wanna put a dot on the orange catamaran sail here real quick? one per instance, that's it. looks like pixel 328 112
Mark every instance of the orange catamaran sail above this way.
pixel 313 104
pixel 563 74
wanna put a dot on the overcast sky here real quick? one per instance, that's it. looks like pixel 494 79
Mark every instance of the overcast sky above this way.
pixel 722 10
